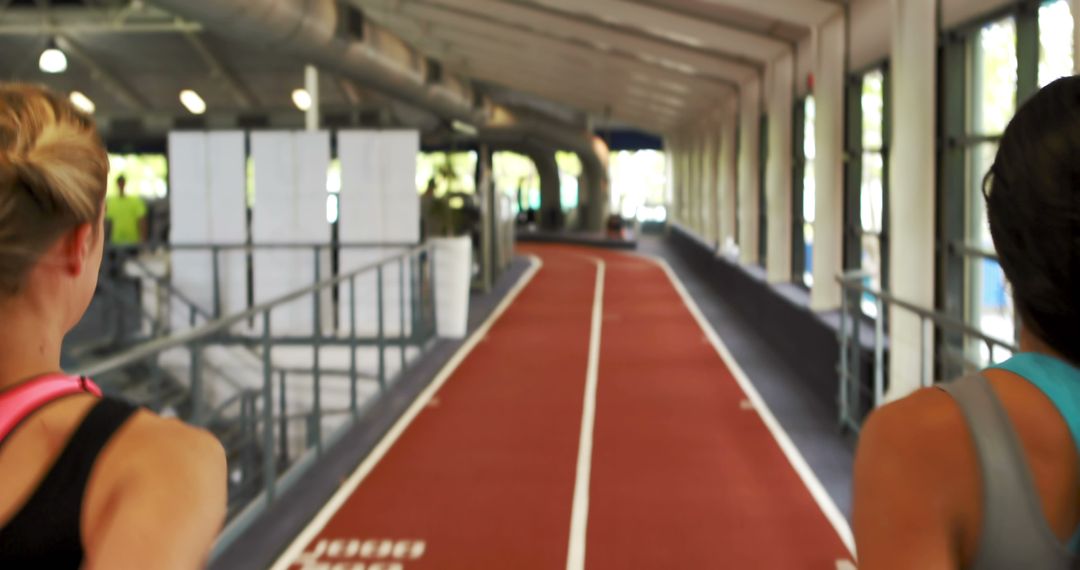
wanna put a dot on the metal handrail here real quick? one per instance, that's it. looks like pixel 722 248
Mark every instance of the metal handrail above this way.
pixel 266 454
pixel 208 330
pixel 850 282
pixel 851 390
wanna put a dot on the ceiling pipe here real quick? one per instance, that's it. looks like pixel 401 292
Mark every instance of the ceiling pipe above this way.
pixel 312 30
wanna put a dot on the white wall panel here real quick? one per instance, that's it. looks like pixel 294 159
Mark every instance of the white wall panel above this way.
pixel 778 170
pixel 379 204
pixel 828 255
pixel 871 33
pixel 290 207
pixel 207 205
pixel 749 178
pixel 911 185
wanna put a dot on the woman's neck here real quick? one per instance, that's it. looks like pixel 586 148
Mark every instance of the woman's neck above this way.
pixel 29 343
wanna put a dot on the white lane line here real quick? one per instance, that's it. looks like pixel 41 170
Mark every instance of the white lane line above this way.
pixel 798 462
pixel 346 490
pixel 579 518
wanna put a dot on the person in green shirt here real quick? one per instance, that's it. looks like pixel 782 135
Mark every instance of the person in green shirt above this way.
pixel 127 215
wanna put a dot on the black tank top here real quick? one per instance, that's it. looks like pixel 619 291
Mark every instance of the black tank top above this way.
pixel 45 533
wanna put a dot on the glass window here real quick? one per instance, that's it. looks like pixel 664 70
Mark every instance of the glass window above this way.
pixel 993 103
pixel 808 189
pixel 1055 41
pixel 638 181
pixel 872 184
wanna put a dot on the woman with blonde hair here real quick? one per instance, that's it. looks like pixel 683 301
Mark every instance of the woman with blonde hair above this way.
pixel 85 481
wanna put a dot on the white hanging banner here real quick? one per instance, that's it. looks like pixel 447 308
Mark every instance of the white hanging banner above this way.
pixel 290 208
pixel 207 205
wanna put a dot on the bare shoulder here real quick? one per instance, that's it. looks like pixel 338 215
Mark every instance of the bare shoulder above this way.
pixel 915 484
pixel 925 420
pixel 156 469
pixel 162 450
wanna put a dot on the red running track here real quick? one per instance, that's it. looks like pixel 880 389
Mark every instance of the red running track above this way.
pixel 684 472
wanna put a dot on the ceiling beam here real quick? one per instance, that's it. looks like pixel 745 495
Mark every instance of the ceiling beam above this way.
pixel 809 13
pixel 675 27
pixel 240 91
pixel 641 113
pixel 576 95
pixel 458 28
pixel 605 38
pixel 108 79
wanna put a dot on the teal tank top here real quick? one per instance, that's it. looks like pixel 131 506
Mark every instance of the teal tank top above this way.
pixel 1060 382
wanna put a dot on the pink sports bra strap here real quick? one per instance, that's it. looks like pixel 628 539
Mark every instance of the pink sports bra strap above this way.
pixel 17 403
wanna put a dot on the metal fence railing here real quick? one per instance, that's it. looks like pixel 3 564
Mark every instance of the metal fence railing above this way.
pixel 300 386
pixel 858 396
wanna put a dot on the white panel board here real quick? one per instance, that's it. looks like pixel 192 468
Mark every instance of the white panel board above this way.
pixel 290 208
pixel 207 206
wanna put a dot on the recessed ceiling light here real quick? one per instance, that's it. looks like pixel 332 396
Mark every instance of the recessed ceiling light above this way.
pixel 80 100
pixel 52 59
pixel 302 99
pixel 192 102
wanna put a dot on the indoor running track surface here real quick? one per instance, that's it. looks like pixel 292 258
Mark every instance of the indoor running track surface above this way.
pixel 594 422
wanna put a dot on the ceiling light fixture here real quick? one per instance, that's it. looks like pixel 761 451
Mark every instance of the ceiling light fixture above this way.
pixel 80 100
pixel 302 99
pixel 52 59
pixel 192 102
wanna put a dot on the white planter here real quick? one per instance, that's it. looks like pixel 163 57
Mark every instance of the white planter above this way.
pixel 453 261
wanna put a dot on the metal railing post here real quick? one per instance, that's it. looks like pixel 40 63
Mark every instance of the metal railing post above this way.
pixel 196 383
pixel 926 340
pixel 381 339
pixel 401 295
pixel 353 404
pixel 317 348
pixel 215 252
pixel 283 422
pixel 269 468
pixel 879 351
pixel 434 293
pixel 843 396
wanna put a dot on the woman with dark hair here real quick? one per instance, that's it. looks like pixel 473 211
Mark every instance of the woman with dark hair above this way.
pixel 984 472
pixel 85 481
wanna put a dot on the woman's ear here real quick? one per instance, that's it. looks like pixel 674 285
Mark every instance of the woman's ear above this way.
pixel 77 245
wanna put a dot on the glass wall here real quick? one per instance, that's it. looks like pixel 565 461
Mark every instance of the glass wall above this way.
pixel 809 182
pixel 147 175
pixel 1055 41
pixel 872 184
pixel 638 183
pixel 516 175
pixel 993 57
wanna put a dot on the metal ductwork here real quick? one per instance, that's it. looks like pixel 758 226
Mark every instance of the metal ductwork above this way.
pixel 313 30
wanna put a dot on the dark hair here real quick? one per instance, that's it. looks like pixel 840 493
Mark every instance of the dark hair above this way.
pixel 1033 206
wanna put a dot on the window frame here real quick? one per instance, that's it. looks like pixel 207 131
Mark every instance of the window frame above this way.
pixel 957 141
pixel 763 201
pixel 853 143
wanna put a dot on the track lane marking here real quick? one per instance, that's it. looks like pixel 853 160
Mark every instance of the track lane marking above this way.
pixel 794 456
pixel 579 518
pixel 317 524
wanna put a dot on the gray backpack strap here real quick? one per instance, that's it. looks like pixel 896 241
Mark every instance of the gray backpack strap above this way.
pixel 1014 532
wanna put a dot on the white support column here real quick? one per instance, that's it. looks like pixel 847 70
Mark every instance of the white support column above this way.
pixel 911 184
pixel 749 183
pixel 778 168
pixel 728 178
pixel 1074 7
pixel 699 185
pixel 311 85
pixel 708 185
pixel 829 165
